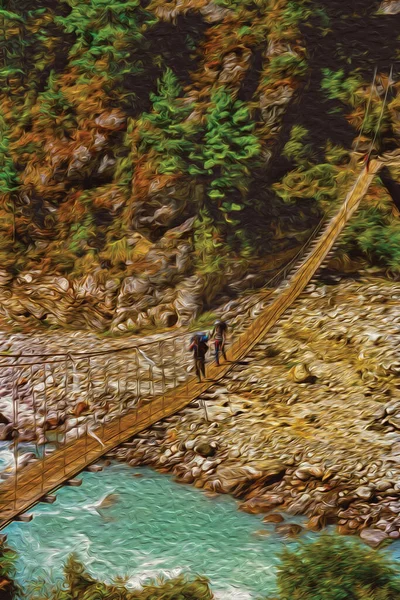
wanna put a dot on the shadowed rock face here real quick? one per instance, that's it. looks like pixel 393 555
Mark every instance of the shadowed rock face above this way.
pixel 392 186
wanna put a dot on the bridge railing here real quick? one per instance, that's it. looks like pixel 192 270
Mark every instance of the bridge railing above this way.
pixel 81 399
pixel 56 398
pixel 126 390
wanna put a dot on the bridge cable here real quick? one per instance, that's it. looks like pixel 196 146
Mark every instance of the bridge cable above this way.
pixel 367 110
pixel 79 355
pixel 389 85
pixel 375 135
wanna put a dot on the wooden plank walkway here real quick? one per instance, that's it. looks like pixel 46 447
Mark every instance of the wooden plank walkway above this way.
pixel 25 488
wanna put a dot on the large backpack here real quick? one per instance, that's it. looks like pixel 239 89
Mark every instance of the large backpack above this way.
pixel 200 340
pixel 199 337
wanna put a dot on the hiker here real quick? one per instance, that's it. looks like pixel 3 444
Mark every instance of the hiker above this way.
pixel 219 335
pixel 199 347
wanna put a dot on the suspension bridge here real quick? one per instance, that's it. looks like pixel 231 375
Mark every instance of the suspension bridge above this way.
pixel 118 393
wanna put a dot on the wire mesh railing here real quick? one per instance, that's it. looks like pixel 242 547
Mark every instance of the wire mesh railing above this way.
pixel 72 408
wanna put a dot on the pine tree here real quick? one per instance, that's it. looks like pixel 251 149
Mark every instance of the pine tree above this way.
pixel 13 42
pixel 31 45
pixel 163 132
pixel 54 111
pixel 108 34
pixel 229 149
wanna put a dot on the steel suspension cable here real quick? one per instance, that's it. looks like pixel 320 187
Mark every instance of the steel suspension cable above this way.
pixel 383 109
pixel 367 110
pixel 272 279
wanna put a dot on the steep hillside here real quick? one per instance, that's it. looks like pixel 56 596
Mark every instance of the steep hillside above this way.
pixel 159 156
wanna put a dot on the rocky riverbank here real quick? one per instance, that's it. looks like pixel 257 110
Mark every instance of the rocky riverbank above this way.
pixel 309 424
pixel 65 387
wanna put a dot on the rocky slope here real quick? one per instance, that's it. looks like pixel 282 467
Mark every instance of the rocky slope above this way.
pixel 153 154
pixel 309 424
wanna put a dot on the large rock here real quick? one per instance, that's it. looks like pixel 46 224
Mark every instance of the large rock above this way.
pixel 273 518
pixel 300 505
pixel 373 537
pixel 306 471
pixel 6 432
pixel 390 7
pixel 165 204
pixel 205 448
pixel 261 505
pixel 237 478
pixel 289 529
pixel 301 374
pixel 316 523
pixel 111 120
pixel 364 492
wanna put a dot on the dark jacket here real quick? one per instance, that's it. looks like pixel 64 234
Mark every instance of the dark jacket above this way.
pixel 199 349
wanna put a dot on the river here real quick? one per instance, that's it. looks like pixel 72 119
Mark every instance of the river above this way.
pixel 155 526
pixel 152 526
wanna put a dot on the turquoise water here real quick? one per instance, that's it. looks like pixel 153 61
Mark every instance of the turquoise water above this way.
pixel 155 526
pixel 152 526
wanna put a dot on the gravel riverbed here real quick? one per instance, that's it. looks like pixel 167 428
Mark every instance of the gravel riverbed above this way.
pixel 309 424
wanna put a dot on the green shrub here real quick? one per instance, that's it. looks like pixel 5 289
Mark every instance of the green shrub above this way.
pixel 8 589
pixel 204 321
pixel 81 586
pixel 335 568
pixel 375 236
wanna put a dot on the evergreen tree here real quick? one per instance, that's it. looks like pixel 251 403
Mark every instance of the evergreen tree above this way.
pixel 54 111
pixel 8 589
pixel 108 35
pixel 229 149
pixel 333 568
pixel 31 45
pixel 163 132
pixel 13 42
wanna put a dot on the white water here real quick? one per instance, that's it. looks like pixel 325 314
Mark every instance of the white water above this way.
pixel 152 526
pixel 155 526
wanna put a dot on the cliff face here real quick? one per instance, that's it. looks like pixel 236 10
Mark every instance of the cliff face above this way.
pixel 158 155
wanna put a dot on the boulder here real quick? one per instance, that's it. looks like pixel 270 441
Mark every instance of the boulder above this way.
pixel 306 471
pixel 364 492
pixel 373 537
pixel 316 523
pixel 390 7
pixel 110 120
pixel 233 478
pixel 261 505
pixel 6 432
pixel 27 435
pixel 300 505
pixel 80 408
pixel 53 420
pixel 236 478
pixel 273 518
pixel 289 529
pixel 301 374
pixel 205 448
pixel 383 485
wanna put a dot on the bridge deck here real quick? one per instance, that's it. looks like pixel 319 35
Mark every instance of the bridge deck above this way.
pixel 27 487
